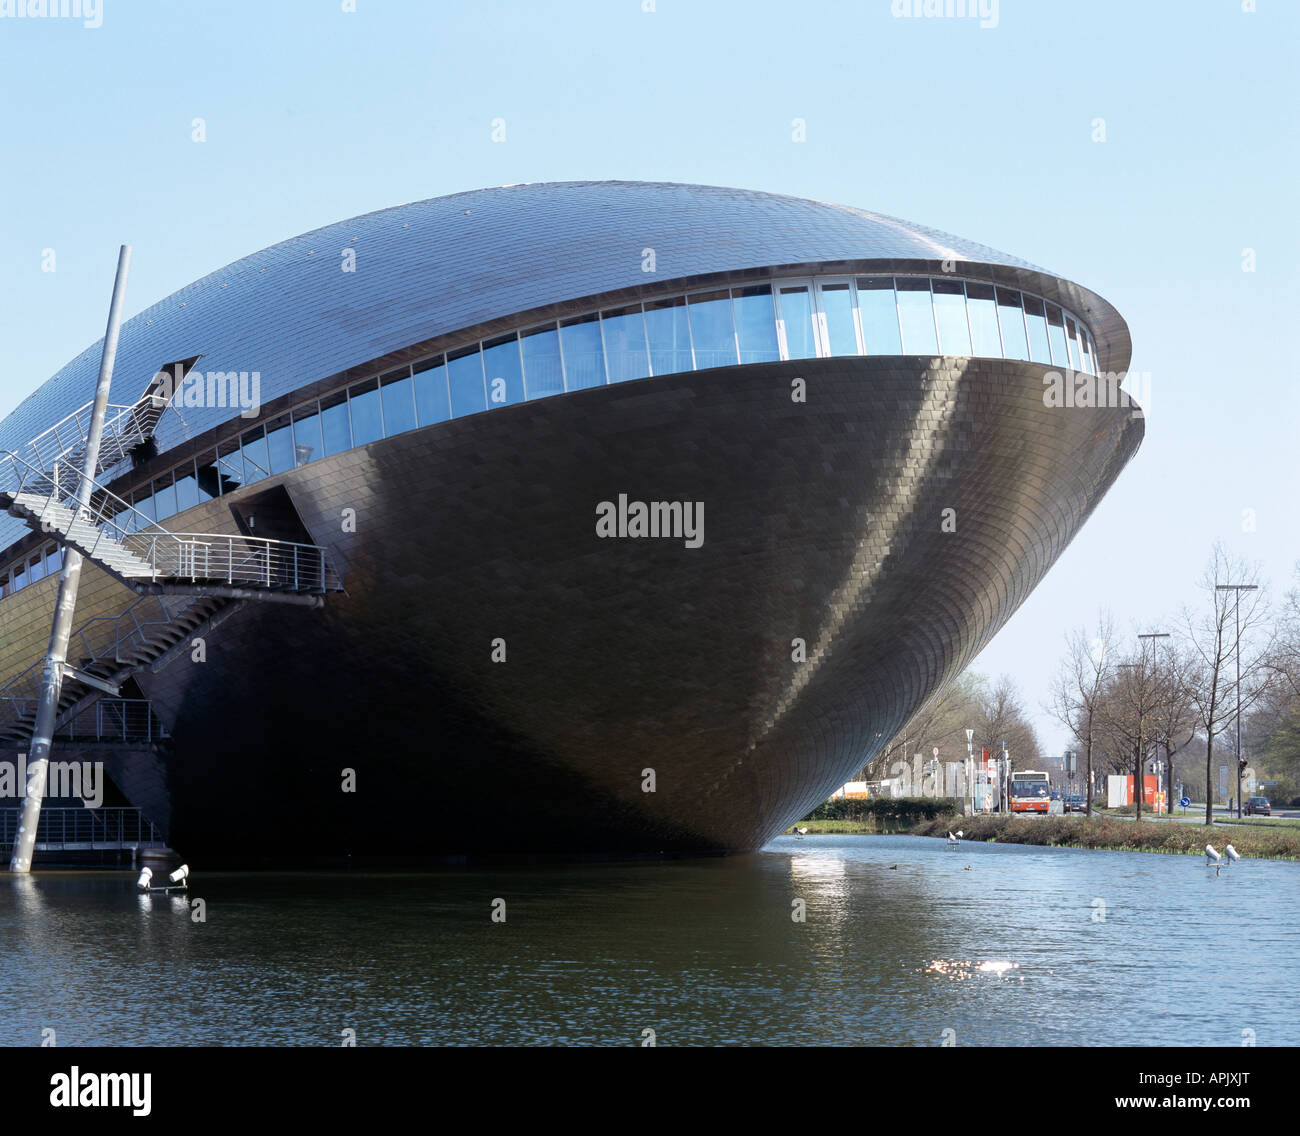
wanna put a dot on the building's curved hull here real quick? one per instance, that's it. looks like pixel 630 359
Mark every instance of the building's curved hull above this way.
pixel 824 520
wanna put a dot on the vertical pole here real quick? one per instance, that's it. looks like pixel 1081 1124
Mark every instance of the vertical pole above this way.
pixel 1237 652
pixel 38 759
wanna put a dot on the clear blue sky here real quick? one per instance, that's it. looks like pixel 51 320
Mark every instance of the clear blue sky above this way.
pixel 314 114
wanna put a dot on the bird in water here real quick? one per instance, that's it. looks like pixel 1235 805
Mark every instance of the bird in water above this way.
pixel 893 867
pixel 969 868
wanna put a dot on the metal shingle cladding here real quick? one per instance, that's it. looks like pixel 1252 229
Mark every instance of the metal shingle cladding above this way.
pixel 434 267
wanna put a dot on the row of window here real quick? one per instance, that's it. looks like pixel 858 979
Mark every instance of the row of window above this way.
pixel 815 317
pixel 46 562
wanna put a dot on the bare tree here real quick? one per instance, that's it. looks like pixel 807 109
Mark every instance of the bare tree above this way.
pixel 1131 707
pixel 1228 631
pixel 1000 717
pixel 1078 689
pixel 1285 663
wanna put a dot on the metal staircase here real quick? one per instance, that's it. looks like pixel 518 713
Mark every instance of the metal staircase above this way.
pixel 107 650
pixel 186 583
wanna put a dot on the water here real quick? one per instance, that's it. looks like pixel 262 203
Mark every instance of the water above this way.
pixel 700 952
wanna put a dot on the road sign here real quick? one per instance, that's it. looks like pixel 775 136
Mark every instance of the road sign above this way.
pixel 1185 801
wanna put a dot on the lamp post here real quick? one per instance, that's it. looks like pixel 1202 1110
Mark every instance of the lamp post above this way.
pixel 1238 589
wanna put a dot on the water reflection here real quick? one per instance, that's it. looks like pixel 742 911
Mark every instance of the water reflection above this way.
pixel 900 943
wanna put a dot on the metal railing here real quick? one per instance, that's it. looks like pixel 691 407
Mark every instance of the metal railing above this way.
pixel 108 526
pixel 108 720
pixel 64 443
pixel 119 639
pixel 83 828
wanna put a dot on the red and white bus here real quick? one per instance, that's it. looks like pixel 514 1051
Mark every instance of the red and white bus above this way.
pixel 1030 792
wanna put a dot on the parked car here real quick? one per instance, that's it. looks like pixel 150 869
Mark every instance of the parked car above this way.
pixel 1258 806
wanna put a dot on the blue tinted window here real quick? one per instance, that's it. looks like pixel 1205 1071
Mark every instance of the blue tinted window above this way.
pixel 367 416
pixel 256 463
pixel 950 315
pixel 916 314
pixel 230 464
pixel 431 398
pixel 143 505
pixel 1056 335
pixel 625 346
pixel 399 403
pixel 306 436
pixel 796 316
pixel 837 307
pixel 1036 324
pixel 670 339
pixel 208 479
pixel 504 372
pixel 1089 353
pixel 879 313
pixel 543 372
pixel 465 377
pixel 584 358
pixel 1011 316
pixel 187 489
pixel 712 334
pixel 279 445
pixel 335 429
pixel 164 497
pixel 755 324
pixel 985 338
pixel 54 559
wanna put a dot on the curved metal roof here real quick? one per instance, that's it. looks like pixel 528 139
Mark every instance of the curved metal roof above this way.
pixel 435 267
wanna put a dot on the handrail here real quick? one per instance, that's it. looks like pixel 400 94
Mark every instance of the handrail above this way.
pixel 123 430
pixel 272 563
pixel 107 826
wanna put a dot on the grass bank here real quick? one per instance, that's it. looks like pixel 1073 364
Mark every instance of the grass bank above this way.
pixel 876 825
pixel 1119 835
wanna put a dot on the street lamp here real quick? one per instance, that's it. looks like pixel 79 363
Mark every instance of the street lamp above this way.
pixel 1238 589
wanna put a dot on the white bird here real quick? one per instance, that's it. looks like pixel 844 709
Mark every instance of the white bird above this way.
pixel 801 832
pixel 1211 856
pixel 1232 852
pixel 952 840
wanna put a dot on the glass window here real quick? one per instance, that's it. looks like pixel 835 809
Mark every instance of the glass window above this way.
pixel 306 435
pixel 712 335
pixel 336 431
pixel 1072 344
pixel 1056 335
pixel 879 313
pixel 164 497
pixel 187 489
pixel 36 568
pixel 367 414
pixel 1089 352
pixel 1011 317
pixel 950 315
pixel 625 344
pixel 53 559
pixel 465 377
pixel 755 324
pixel 584 357
pixel 670 339
pixel 279 445
pixel 209 479
pixel 984 336
pixel 431 399
pixel 916 314
pixel 20 577
pixel 143 504
pixel 543 371
pixel 399 402
pixel 504 371
pixel 796 322
pixel 256 463
pixel 231 464
pixel 1036 323
pixel 837 310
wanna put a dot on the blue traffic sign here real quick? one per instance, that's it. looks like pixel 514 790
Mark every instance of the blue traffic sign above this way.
pixel 1185 801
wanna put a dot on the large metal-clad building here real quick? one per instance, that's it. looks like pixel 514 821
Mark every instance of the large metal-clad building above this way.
pixel 848 409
